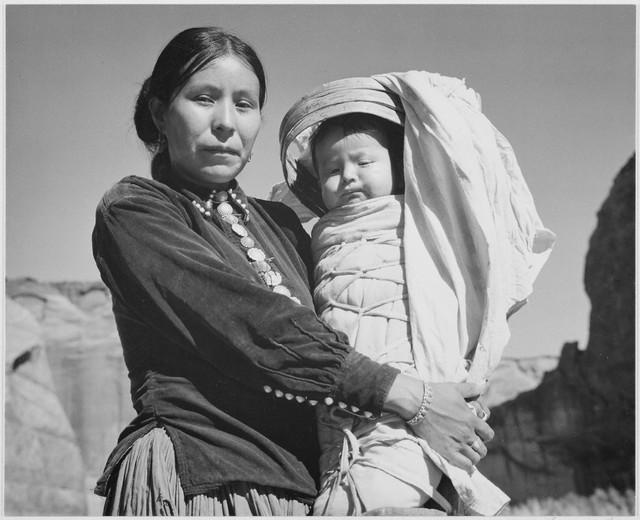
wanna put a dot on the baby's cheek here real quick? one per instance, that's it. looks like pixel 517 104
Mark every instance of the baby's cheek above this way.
pixel 328 193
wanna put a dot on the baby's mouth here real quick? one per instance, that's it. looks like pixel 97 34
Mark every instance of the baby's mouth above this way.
pixel 350 195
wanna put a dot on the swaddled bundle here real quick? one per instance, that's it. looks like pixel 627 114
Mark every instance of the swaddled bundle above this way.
pixel 360 289
pixel 473 242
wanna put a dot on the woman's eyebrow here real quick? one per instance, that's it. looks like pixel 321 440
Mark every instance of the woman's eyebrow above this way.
pixel 201 85
pixel 249 92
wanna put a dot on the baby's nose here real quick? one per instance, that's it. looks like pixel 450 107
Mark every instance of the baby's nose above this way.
pixel 349 172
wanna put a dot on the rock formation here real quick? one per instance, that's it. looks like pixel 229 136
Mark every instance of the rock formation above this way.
pixel 575 431
pixel 516 375
pixel 44 472
pixel 80 351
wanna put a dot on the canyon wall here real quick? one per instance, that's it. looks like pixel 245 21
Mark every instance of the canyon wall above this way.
pixel 575 431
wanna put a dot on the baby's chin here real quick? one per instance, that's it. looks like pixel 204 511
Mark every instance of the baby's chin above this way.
pixel 350 198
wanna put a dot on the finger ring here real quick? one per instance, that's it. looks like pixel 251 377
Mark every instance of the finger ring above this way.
pixel 479 411
pixel 476 444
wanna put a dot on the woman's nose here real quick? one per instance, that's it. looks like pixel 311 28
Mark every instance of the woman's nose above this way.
pixel 223 119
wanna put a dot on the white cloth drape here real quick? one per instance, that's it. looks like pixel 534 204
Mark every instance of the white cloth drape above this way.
pixel 473 240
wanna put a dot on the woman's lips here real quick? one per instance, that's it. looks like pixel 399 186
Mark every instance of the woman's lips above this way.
pixel 220 150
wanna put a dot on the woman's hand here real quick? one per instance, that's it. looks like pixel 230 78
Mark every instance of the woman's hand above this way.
pixel 450 427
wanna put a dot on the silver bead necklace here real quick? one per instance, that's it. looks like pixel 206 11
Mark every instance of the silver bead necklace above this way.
pixel 221 198
pixel 256 256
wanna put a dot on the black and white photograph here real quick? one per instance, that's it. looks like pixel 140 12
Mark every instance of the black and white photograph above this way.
pixel 312 259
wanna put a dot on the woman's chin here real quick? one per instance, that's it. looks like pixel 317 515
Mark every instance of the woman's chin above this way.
pixel 220 174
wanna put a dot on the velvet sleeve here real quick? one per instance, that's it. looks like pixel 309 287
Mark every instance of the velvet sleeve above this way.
pixel 180 286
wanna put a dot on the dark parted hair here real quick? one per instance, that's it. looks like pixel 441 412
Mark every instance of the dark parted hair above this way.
pixel 355 122
pixel 187 53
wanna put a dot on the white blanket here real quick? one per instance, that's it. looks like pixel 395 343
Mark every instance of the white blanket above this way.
pixel 471 231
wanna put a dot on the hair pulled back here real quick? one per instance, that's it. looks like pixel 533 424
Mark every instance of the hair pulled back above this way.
pixel 187 53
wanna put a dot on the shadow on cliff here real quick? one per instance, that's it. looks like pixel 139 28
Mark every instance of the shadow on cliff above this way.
pixel 575 432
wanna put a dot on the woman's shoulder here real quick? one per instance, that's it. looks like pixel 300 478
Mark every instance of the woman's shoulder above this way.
pixel 134 187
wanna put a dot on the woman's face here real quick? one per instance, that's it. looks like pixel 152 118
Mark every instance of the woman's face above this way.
pixel 212 122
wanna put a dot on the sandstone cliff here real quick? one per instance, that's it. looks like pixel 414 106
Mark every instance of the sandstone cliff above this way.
pixel 82 381
pixel 575 431
pixel 44 472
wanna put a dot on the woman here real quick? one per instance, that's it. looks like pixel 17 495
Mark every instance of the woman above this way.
pixel 210 293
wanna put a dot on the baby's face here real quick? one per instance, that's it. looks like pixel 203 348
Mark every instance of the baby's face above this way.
pixel 353 167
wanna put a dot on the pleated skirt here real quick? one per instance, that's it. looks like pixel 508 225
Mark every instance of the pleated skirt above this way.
pixel 147 484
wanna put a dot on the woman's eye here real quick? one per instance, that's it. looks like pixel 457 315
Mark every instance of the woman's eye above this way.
pixel 364 163
pixel 204 99
pixel 245 105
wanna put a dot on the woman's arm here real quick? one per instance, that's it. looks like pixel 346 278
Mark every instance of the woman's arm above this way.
pixel 180 286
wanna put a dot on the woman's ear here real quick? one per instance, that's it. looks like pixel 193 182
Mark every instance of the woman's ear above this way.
pixel 156 109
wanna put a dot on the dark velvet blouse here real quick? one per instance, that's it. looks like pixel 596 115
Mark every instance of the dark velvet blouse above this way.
pixel 205 339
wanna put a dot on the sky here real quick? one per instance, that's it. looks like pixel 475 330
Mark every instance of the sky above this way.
pixel 557 80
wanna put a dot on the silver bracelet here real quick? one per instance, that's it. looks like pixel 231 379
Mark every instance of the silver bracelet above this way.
pixel 427 396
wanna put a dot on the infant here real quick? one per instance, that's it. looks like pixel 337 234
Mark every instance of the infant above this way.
pixel 360 290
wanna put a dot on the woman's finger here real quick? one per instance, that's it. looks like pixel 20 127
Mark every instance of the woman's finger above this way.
pixel 462 461
pixel 471 454
pixel 483 430
pixel 470 390
pixel 479 447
